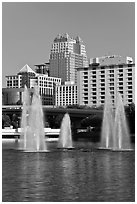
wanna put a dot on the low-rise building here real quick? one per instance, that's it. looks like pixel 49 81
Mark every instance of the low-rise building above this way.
pixel 12 94
pixel 66 94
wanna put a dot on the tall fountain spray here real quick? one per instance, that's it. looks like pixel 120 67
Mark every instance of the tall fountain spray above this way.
pixel 108 123
pixel 33 136
pixel 24 118
pixel 65 137
pixel 115 134
pixel 121 140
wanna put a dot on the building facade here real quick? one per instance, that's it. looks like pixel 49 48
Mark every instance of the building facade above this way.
pixel 43 68
pixel 21 79
pixel 46 86
pixel 66 94
pixel 66 55
pixel 12 94
pixel 113 73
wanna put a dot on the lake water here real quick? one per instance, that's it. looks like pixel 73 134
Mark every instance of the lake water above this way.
pixel 82 174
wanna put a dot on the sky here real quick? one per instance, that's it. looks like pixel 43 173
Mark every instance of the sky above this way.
pixel 29 29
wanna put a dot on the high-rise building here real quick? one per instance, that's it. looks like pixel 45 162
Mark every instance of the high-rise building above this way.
pixel 66 55
pixel 112 73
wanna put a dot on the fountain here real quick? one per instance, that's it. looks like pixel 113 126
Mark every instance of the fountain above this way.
pixel 65 137
pixel 24 118
pixel 108 123
pixel 121 139
pixel 32 135
pixel 115 134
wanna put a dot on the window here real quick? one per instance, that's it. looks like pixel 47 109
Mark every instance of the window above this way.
pixel 111 79
pixel 102 76
pixel 103 93
pixel 111 75
pixel 102 80
pixel 85 85
pixel 112 66
pixel 129 83
pixel 102 97
pixel 85 77
pixel 94 85
pixel 94 72
pixel 85 73
pixel 120 66
pixel 94 97
pixel 94 81
pixel 120 79
pixel 120 83
pixel 129 78
pixel 129 65
pixel 129 96
pixel 102 101
pixel 93 89
pixel 85 81
pixel 111 71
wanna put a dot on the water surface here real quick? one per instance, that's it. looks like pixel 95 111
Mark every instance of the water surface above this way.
pixel 77 175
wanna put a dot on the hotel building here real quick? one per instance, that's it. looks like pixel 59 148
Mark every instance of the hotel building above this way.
pixel 67 54
pixel 114 73
pixel 66 94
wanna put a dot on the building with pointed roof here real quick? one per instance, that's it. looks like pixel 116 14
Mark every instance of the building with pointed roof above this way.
pixel 12 94
pixel 21 79
pixel 26 69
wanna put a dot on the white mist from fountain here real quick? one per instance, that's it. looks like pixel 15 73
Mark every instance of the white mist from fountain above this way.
pixel 121 140
pixel 115 134
pixel 108 123
pixel 33 136
pixel 65 137
pixel 24 118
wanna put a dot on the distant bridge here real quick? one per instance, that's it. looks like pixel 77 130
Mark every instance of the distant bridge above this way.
pixel 49 110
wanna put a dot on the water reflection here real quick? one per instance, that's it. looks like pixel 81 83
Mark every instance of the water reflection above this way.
pixel 68 176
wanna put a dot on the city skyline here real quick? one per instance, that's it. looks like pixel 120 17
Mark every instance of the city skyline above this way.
pixel 28 30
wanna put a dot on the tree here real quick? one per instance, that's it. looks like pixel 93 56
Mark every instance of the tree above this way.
pixel 130 114
pixel 93 121
pixel 58 120
pixel 6 122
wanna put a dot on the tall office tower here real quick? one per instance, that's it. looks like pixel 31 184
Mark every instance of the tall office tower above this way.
pixel 109 73
pixel 67 54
